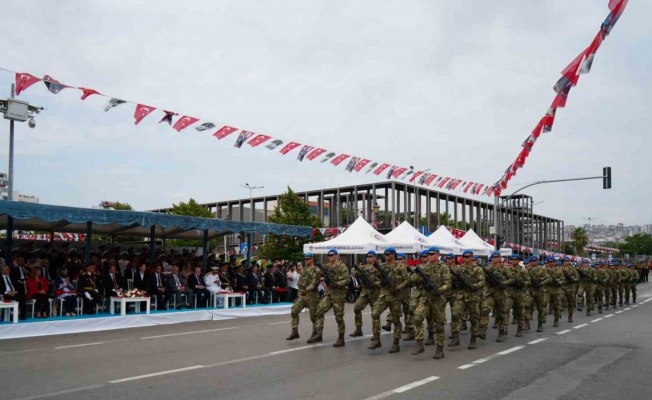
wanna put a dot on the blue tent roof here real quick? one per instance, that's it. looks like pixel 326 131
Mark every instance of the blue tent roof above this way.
pixel 49 218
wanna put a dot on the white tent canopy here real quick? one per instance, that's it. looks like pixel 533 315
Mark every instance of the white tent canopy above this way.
pixel 358 238
pixel 405 238
pixel 445 240
pixel 471 240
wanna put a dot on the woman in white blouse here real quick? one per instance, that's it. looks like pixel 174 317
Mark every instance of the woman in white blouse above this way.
pixel 293 281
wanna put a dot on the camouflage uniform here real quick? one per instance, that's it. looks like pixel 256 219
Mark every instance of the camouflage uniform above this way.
pixel 630 286
pixel 368 295
pixel 334 297
pixel 613 285
pixel 555 291
pixel 601 285
pixel 308 296
pixel 453 296
pixel 415 299
pixel 588 278
pixel 468 300
pixel 569 288
pixel 621 285
pixel 430 303
pixel 540 279
pixel 403 296
pixel 495 298
pixel 516 296
pixel 398 280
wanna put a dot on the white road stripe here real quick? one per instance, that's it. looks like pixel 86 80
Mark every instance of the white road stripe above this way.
pixel 635 305
pixel 597 319
pixel 78 345
pixel 537 341
pixel 628 308
pixel 189 333
pixel 618 312
pixel 513 349
pixel 485 359
pixel 563 332
pixel 53 394
pixel 22 351
pixel 608 316
pixel 466 366
pixel 580 326
pixel 172 371
pixel 403 388
pixel 273 353
pixel 277 323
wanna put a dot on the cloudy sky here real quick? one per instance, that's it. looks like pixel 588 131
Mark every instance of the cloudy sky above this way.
pixel 455 86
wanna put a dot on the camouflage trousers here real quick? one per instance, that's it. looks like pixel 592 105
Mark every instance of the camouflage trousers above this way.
pixel 497 304
pixel 414 303
pixel 569 293
pixel 587 290
pixel 408 311
pixel 309 301
pixel 516 302
pixel 458 314
pixel 365 299
pixel 433 307
pixel 384 302
pixel 600 296
pixel 621 292
pixel 632 287
pixel 627 291
pixel 528 301
pixel 337 304
pixel 554 301
pixel 540 302
pixel 613 294
pixel 469 302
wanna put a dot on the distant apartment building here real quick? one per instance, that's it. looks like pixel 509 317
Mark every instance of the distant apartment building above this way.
pixel 4 191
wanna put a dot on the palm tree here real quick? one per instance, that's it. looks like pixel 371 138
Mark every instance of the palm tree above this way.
pixel 580 238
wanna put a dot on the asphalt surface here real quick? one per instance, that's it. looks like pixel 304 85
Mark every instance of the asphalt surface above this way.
pixel 604 356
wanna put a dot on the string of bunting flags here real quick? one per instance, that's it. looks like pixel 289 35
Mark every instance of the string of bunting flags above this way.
pixel 308 152
pixel 570 76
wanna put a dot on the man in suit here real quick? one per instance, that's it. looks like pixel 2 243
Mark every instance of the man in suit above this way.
pixel 87 286
pixel 141 279
pixel 8 287
pixel 254 281
pixel 270 284
pixel 113 283
pixel 19 275
pixel 132 269
pixel 196 284
pixel 225 276
pixel 176 286
pixel 157 288
pixel 281 280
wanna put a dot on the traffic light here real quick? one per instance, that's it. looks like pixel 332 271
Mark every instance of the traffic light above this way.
pixel 606 178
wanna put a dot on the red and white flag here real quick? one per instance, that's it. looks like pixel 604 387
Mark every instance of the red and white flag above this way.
pixel 415 176
pixel 548 120
pixel 141 112
pixel 224 132
pixel 258 140
pixel 315 153
pixel 455 184
pixel 479 188
pixel 429 179
pixel 467 187
pixel 589 54
pixel 398 172
pixel 381 168
pixel 23 81
pixel 184 122
pixel 443 182
pixel 337 160
pixel 289 147
pixel 361 164
pixel 88 92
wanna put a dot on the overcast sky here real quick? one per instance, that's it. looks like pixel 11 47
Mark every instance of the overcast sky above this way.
pixel 455 86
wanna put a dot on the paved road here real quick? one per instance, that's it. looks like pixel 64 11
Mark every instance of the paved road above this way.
pixel 602 356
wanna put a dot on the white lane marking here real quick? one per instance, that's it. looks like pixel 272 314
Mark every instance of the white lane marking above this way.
pixel 563 332
pixel 172 371
pixel 403 388
pixel 22 351
pixel 628 308
pixel 513 349
pixel 466 366
pixel 609 316
pixel 634 306
pixel 67 391
pixel 189 333
pixel 483 360
pixel 273 353
pixel 618 312
pixel 580 326
pixel 78 345
pixel 537 341
pixel 277 323
pixel 597 319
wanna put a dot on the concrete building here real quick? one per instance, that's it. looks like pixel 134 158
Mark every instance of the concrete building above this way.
pixel 4 191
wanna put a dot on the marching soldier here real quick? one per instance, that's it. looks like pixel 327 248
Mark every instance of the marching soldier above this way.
pixel 569 286
pixel 415 297
pixel 498 279
pixel 613 285
pixel 404 296
pixel 335 276
pixel 601 284
pixel 432 303
pixel 586 288
pixel 540 280
pixel 308 296
pixel 369 293
pixel 633 281
pixel 516 293
pixel 471 297
pixel 554 288
pixel 455 294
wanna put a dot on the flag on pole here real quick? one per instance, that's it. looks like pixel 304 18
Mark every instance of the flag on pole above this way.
pixel 315 153
pixel 184 122
pixel 223 131
pixel 141 112
pixel 258 140
pixel 23 81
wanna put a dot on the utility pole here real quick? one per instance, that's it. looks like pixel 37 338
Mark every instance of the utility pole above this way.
pixel 251 198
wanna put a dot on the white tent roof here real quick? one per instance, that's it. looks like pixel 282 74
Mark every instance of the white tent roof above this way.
pixel 472 241
pixel 445 240
pixel 405 238
pixel 358 238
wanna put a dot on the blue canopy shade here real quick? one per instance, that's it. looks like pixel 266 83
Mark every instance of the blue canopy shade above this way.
pixel 49 218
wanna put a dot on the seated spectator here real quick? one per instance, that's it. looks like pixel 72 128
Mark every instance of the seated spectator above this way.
pixel 255 283
pixel 281 288
pixel 114 285
pixel 186 271
pixel 157 287
pixel 196 283
pixel 87 286
pixel 64 289
pixel 37 290
pixel 141 279
pixel 212 281
pixel 226 278
pixel 8 285
pixel 177 285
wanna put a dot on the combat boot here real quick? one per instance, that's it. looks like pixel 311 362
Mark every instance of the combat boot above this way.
pixel 439 353
pixel 409 335
pixel 395 347
pixel 375 343
pixel 418 349
pixel 588 312
pixel 387 327
pixel 431 339
pixel 527 327
pixel 519 332
pixel 483 334
pixel 579 308
pixel 464 325
pixel 495 326
pixel 293 335
pixel 599 310
pixel 340 341
pixel 472 343
pixel 570 318
pixel 316 338
pixel 357 332
pixel 540 327
pixel 501 336
pixel 455 341
pixel 555 323
pixel 405 330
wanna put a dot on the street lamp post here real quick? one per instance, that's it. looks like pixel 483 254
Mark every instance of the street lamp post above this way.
pixel 590 219
pixel 251 198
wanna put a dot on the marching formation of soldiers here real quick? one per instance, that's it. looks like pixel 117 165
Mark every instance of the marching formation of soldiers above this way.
pixel 474 292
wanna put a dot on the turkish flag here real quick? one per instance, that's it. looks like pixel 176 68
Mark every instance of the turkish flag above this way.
pixel 380 169
pixel 289 147
pixel 23 81
pixel 415 176
pixel 337 160
pixel 443 182
pixel 548 120
pixel 315 153
pixel 589 54
pixel 455 184
pixel 360 165
pixel 477 191
pixel 490 190
pixel 571 72
pixel 467 187
pixel 88 92
pixel 429 180
pixel 224 132
pixel 258 140
pixel 141 112
pixel 184 122
pixel 398 172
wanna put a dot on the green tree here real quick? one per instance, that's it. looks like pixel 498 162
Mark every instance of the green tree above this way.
pixel 122 239
pixel 568 248
pixel 191 209
pixel 291 210
pixel 638 244
pixel 122 206
pixel 436 220
pixel 580 239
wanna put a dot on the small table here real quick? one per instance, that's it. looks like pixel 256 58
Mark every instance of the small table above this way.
pixel 123 304
pixel 227 296
pixel 7 308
